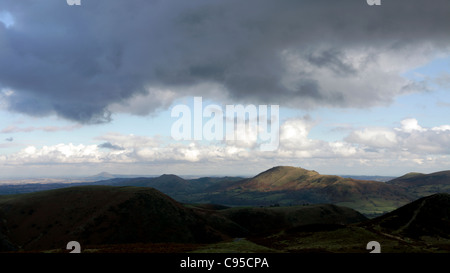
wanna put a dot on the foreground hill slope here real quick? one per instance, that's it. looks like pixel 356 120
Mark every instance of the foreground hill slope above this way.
pixel 138 219
pixel 101 215
pixel 274 219
pixel 422 226
pixel 426 217
pixel 115 215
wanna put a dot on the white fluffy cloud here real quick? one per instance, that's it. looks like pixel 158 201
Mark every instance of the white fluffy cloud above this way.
pixel 374 137
pixel 410 125
pixel 411 145
pixel 60 153
pixel 411 137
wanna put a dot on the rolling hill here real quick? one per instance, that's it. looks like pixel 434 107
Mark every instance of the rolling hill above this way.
pixel 291 185
pixel 422 226
pixel 113 215
pixel 143 219
pixel 270 220
pixel 421 185
pixel 104 215
pixel 282 185
pixel 426 217
pixel 335 188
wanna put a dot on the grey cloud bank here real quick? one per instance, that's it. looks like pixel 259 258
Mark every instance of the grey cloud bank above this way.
pixel 82 63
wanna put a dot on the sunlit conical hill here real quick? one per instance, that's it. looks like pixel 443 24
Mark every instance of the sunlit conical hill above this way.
pixel 293 185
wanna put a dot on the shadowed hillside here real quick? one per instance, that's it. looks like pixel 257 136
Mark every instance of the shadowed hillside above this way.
pixel 123 216
pixel 426 217
pixel 422 226
pixel 103 215
pixel 142 219
pixel 267 220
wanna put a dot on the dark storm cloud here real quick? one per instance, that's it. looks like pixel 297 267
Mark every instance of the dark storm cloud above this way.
pixel 330 58
pixel 78 61
pixel 108 145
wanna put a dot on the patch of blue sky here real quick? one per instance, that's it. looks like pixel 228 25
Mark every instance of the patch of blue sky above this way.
pixel 431 108
pixel 6 18
pixel 433 69
pixel 155 125
pixel 37 131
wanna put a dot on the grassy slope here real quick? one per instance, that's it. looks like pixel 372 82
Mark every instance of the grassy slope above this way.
pixel 291 185
pixel 421 185
pixel 115 219
pixel 102 215
pixel 36 222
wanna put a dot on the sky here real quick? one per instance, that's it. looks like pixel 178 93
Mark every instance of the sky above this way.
pixel 360 89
